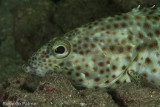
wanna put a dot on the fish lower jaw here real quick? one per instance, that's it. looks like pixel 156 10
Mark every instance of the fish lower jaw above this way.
pixel 33 70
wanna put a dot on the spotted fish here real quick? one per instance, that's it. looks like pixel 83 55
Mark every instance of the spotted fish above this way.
pixel 106 52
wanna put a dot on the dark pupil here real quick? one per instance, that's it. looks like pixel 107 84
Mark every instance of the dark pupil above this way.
pixel 60 50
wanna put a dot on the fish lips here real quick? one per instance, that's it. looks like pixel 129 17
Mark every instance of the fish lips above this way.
pixel 30 69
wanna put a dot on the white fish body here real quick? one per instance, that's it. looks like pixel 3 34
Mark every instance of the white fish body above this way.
pixel 105 52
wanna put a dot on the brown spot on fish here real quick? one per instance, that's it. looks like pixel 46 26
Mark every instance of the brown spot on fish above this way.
pixel 129 48
pixel 101 71
pixel 154 70
pixel 148 60
pixel 126 17
pixel 157 32
pixel 81 52
pixel 95 69
pixel 117 82
pixel 95 23
pixel 76 61
pixel 108 62
pixel 120 50
pixel 86 74
pixel 114 33
pixel 124 81
pixel 156 18
pixel 104 48
pixel 107 70
pixel 144 74
pixel 140 35
pixel 110 20
pixel 95 39
pixel 128 58
pixel 61 64
pixel 83 59
pixel 107 81
pixel 85 45
pixel 69 73
pixel 153 45
pixel 93 59
pixel 116 40
pixel 123 41
pixel 86 65
pixel 113 76
pixel 123 67
pixel 138 24
pixel 138 48
pixel 114 67
pixel 80 80
pixel 112 48
pixel 97 51
pixel 118 18
pixel 123 24
pixel 150 34
pixel 130 38
pixel 86 39
pixel 108 26
pixel 131 23
pixel 77 74
pixel 159 62
pixel 157 54
pixel 137 17
pixel 78 68
pixel 93 45
pixel 79 41
pixel 108 32
pixel 146 25
pixel 102 29
pixel 97 79
pixel 115 25
pixel 50 65
pixel 109 40
pixel 117 59
pixel 75 50
pixel 101 64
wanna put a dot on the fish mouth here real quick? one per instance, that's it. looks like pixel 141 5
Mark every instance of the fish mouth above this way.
pixel 35 70
pixel 29 68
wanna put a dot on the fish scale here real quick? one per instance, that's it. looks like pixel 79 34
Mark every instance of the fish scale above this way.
pixel 106 52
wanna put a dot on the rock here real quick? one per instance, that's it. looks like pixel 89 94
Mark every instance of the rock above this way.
pixel 134 95
pixel 32 26
pixel 53 90
pixel 97 98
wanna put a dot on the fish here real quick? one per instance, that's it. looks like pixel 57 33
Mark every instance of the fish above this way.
pixel 105 53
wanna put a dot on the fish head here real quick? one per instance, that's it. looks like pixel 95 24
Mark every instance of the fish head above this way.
pixel 82 56
pixel 49 57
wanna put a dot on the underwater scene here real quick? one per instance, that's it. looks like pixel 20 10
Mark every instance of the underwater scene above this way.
pixel 79 53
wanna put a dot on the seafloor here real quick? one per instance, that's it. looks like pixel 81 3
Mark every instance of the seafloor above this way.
pixel 25 25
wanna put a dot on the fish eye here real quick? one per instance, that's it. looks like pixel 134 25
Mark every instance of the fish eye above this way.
pixel 61 49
